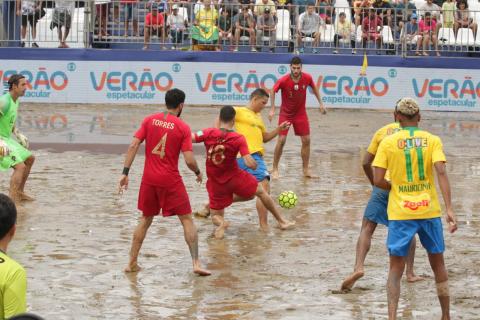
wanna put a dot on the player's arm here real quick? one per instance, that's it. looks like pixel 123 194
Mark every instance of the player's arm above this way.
pixel 243 149
pixel 15 295
pixel 380 165
pixel 367 166
pixel 250 162
pixel 442 177
pixel 379 179
pixel 267 136
pixel 272 108
pixel 3 107
pixel 323 110
pixel 192 164
pixel 22 139
pixel 129 157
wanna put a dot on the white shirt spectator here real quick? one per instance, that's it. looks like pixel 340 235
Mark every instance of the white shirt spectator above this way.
pixel 309 23
pixel 176 22
pixel 432 8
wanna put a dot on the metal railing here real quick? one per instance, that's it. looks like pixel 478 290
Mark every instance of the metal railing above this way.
pixel 229 25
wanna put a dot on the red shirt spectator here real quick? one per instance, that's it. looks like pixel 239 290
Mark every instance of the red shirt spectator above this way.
pixel 154 20
pixel 427 25
pixel 371 23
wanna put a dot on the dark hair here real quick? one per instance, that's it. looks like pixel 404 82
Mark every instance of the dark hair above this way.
pixel 173 98
pixel 464 2
pixel 260 93
pixel 227 114
pixel 342 14
pixel 295 60
pixel 26 316
pixel 427 14
pixel 14 79
pixel 8 215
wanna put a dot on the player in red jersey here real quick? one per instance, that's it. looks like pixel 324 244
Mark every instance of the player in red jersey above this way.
pixel 226 181
pixel 294 95
pixel 162 188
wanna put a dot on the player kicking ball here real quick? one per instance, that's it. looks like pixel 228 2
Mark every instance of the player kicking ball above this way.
pixel 227 183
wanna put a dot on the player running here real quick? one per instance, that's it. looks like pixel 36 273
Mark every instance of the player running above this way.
pixel 162 188
pixel 226 181
pixel 294 95
pixel 375 213
pixel 411 155
pixel 19 157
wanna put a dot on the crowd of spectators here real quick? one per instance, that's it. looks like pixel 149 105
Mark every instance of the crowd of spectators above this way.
pixel 213 24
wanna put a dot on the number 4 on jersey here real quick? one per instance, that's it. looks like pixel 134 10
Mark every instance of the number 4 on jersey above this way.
pixel 160 147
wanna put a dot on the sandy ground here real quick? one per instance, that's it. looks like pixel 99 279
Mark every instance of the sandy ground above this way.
pixel 74 240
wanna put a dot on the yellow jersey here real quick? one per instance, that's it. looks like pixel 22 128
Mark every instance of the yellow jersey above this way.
pixel 13 287
pixel 409 156
pixel 250 124
pixel 380 134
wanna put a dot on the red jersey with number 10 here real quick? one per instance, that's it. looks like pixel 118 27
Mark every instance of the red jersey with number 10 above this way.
pixel 165 137
pixel 294 94
pixel 222 149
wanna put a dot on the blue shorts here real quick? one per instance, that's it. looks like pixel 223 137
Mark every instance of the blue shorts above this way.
pixel 401 232
pixel 376 210
pixel 130 11
pixel 261 173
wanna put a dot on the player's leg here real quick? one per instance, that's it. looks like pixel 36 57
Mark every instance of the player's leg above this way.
pixel 220 223
pixel 138 237
pixel 16 181
pixel 261 209
pixel 281 140
pixel 397 265
pixel 28 166
pixel 191 238
pixel 305 152
pixel 268 203
pixel 411 276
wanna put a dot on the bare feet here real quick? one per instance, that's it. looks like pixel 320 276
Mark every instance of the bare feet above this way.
pixel 275 174
pixel 203 213
pixel 350 280
pixel 133 267
pixel 286 225
pixel 307 174
pixel 220 231
pixel 414 278
pixel 201 272
pixel 264 228
pixel 26 197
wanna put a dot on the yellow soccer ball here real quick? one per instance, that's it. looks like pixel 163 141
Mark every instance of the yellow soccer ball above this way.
pixel 287 199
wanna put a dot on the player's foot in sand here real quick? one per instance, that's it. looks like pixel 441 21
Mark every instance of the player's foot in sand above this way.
pixel 133 267
pixel 348 283
pixel 26 197
pixel 307 174
pixel 286 225
pixel 201 272
pixel 220 230
pixel 203 213
pixel 414 278
pixel 274 175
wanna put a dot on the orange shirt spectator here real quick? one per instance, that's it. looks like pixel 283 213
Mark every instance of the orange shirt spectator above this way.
pixel 154 20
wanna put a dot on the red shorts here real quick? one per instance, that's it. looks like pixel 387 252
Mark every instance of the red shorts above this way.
pixel 220 195
pixel 300 123
pixel 172 200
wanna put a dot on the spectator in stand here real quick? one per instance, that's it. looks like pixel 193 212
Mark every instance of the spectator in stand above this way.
pixel 130 12
pixel 372 26
pixel 403 13
pixel 154 25
pixel 300 6
pixel 261 5
pixel 309 24
pixel 232 6
pixel 434 10
pixel 449 9
pixel 199 5
pixel 204 30
pixel 384 11
pixel 267 27
pixel 428 29
pixel 62 17
pixel 13 279
pixel 360 10
pixel 102 8
pixel 245 27
pixel 177 24
pixel 283 4
pixel 343 30
pixel 411 34
pixel 325 10
pixel 30 11
pixel 463 19
pixel 224 27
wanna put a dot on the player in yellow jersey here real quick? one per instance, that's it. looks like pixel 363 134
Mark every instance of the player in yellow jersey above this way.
pixel 375 213
pixel 13 279
pixel 411 156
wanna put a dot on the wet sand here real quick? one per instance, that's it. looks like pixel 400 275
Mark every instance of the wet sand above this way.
pixel 74 240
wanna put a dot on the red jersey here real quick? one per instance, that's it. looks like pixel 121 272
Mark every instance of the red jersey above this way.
pixel 151 20
pixel 222 149
pixel 294 94
pixel 165 137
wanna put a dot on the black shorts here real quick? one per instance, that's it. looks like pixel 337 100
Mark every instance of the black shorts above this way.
pixel 29 19
pixel 309 35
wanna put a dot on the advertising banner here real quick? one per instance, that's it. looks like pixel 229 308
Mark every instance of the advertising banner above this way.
pixel 217 83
